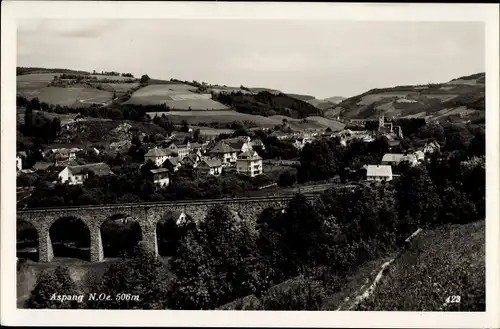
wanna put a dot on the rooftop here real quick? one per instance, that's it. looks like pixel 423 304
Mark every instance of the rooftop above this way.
pixel 249 155
pixel 379 170
pixel 156 152
pixel 212 163
pixel 222 147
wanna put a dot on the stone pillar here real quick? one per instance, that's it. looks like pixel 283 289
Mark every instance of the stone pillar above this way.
pixel 96 250
pixel 149 236
pixel 45 253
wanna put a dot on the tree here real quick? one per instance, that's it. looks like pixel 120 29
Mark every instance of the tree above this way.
pixel 287 178
pixel 185 126
pixel 215 264
pixel 68 286
pixel 50 285
pixel 46 286
pixel 142 275
pixel 144 79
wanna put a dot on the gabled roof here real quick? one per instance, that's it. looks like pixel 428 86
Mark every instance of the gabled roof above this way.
pixel 173 161
pixel 249 155
pixel 211 163
pixel 379 170
pixel 100 169
pixel 222 147
pixel 156 152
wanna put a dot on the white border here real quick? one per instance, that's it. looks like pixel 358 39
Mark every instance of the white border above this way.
pixel 12 11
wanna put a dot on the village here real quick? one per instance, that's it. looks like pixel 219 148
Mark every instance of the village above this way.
pixel 211 157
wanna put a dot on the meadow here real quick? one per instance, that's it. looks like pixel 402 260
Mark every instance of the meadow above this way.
pixel 175 96
pixel 77 97
pixel 196 117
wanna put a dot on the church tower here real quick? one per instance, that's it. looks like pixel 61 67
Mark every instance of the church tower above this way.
pixel 381 120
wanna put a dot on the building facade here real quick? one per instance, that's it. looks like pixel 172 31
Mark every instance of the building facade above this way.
pixel 249 163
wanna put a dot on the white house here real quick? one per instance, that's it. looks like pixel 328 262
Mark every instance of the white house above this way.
pixel 225 153
pixel 249 163
pixel 394 159
pixel 431 147
pixel 173 164
pixel 420 156
pixel 78 174
pixel 182 150
pixel 157 155
pixel 301 142
pixel 210 167
pixel 378 173
pixel 160 176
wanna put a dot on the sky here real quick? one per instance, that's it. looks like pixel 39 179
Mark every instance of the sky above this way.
pixel 318 58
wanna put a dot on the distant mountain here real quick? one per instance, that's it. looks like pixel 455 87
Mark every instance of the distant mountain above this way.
pixel 462 97
pixel 335 99
pixel 301 97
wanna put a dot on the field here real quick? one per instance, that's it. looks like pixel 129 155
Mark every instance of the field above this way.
pixel 447 261
pixel 195 117
pixel 76 97
pixel 175 96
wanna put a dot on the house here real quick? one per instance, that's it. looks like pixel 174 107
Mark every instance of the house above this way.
pixel 301 142
pixel 279 135
pixel 249 163
pixel 157 155
pixel 195 147
pixel 225 153
pixel 121 146
pixel 160 176
pixel 180 217
pixel 378 173
pixel 78 174
pixel 191 160
pixel 257 142
pixel 210 167
pixel 394 159
pixel 420 156
pixel 431 147
pixel 182 150
pixel 173 164
pixel 19 162
pixel 242 144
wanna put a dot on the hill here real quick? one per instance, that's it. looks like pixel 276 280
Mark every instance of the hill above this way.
pixel 464 96
pixel 447 261
pixel 112 92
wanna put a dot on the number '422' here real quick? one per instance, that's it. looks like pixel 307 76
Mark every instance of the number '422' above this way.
pixel 453 299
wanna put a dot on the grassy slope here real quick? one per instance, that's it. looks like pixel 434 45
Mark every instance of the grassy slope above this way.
pixel 443 262
pixel 427 99
pixel 195 117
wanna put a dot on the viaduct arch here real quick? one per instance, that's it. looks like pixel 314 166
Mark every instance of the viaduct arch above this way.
pixel 147 215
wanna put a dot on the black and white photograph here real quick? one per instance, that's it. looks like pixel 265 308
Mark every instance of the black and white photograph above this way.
pixel 230 164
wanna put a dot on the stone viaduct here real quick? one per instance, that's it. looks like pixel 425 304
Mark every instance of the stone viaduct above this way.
pixel 147 215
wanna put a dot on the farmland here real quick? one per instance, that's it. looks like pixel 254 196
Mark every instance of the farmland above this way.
pixel 175 96
pixel 73 97
pixel 196 117
pixel 463 94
